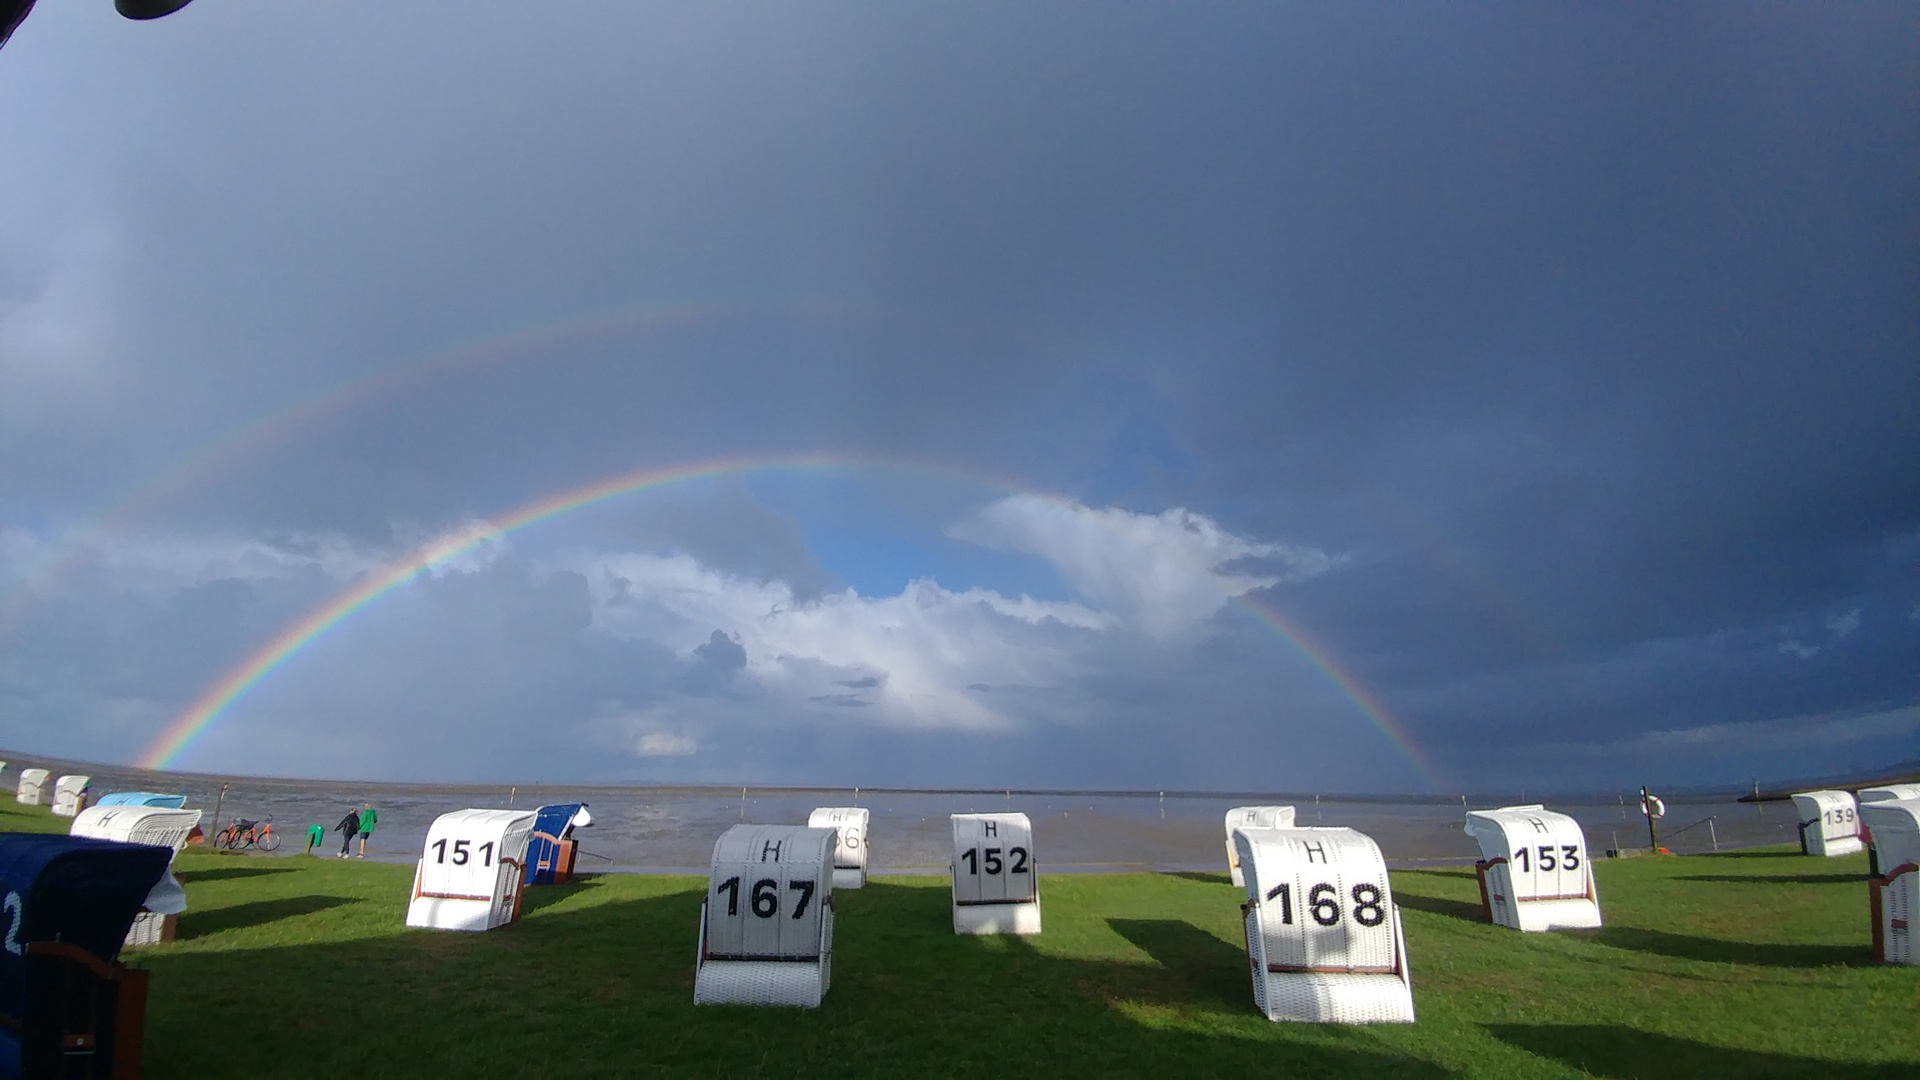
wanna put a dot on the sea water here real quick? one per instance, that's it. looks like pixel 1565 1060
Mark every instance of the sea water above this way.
pixel 672 829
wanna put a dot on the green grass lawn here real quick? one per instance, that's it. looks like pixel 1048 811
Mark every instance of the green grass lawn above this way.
pixel 1748 964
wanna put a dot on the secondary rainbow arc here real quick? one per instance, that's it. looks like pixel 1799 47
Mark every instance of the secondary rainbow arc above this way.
pixel 260 435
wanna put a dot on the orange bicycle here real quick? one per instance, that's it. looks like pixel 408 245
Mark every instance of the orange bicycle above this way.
pixel 245 833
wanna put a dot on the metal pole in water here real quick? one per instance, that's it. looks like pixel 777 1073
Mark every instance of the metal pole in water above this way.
pixel 1712 835
pixel 743 804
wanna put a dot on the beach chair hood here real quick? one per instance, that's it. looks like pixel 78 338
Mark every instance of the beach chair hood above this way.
pixel 72 889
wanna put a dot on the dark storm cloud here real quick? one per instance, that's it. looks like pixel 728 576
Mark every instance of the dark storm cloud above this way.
pixel 714 664
pixel 844 701
pixel 1583 338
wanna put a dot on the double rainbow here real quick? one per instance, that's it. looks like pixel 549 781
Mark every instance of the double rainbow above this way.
pixel 197 718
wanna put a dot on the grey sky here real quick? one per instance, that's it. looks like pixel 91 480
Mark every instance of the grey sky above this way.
pixel 1547 372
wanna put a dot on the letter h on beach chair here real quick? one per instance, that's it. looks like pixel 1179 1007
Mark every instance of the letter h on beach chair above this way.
pixel 766 925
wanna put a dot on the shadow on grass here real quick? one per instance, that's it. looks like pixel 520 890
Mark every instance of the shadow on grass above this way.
pixel 1448 874
pixel 1781 879
pixel 198 924
pixel 1213 971
pixel 1624 1052
pixel 543 896
pixel 1405 883
pixel 225 873
pixel 1715 950
pixel 1439 905
pixel 611 983
pixel 1206 876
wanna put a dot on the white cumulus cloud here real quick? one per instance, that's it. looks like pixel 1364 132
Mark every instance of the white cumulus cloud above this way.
pixel 666 744
pixel 1165 572
pixel 662 656
pixel 907 659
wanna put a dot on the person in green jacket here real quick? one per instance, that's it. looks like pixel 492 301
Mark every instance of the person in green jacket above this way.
pixel 367 820
pixel 315 837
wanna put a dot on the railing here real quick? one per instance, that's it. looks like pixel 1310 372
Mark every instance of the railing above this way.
pixel 1708 822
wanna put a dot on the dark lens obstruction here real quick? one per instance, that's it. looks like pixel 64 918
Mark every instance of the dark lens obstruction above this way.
pixel 148 9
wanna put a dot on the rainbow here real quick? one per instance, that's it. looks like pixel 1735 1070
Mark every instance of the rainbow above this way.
pixel 1375 710
pixel 1401 517
pixel 250 441
pixel 198 717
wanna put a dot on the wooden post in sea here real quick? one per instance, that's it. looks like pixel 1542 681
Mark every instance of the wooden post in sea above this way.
pixel 214 833
pixel 1646 807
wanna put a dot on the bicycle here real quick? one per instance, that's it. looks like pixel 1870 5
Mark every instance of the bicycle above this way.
pixel 246 833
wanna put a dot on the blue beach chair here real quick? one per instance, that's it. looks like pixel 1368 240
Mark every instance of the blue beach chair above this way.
pixel 66 902
pixel 551 851
pixel 143 798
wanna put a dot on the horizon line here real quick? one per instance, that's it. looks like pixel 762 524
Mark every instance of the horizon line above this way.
pixel 1896 772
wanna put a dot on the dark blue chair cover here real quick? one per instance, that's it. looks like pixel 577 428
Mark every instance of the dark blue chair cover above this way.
pixel 553 824
pixel 61 892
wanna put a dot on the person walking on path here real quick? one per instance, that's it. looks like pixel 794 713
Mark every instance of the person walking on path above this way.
pixel 368 818
pixel 349 828
pixel 316 835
